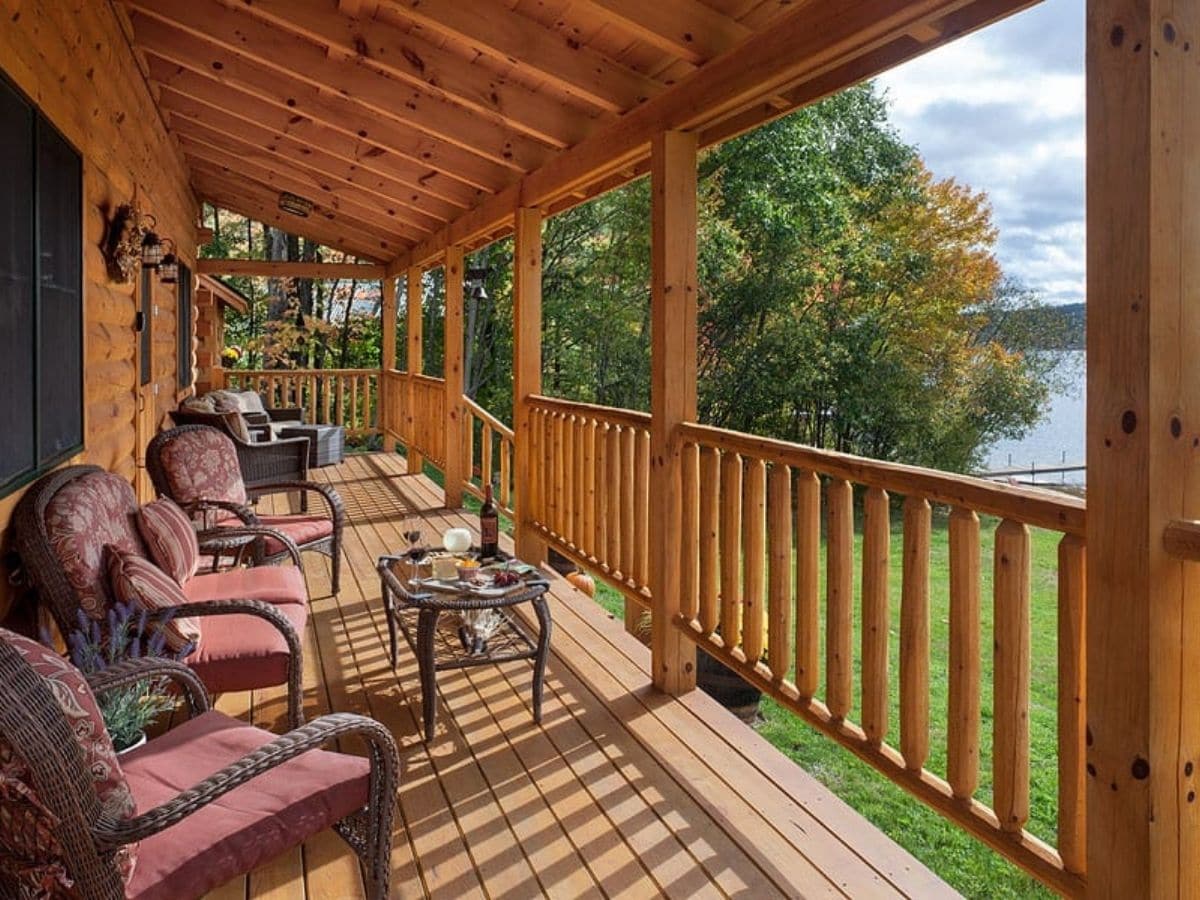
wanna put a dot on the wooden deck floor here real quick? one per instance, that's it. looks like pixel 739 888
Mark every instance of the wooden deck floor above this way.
pixel 620 792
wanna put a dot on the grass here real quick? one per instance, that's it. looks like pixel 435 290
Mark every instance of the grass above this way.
pixel 968 865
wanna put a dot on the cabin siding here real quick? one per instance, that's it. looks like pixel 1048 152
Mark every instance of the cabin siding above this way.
pixel 74 61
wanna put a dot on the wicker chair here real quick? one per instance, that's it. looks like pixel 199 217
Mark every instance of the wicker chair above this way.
pixel 247 643
pixel 172 459
pixel 250 795
pixel 263 461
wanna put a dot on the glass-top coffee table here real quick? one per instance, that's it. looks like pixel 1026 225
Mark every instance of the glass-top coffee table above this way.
pixel 414 610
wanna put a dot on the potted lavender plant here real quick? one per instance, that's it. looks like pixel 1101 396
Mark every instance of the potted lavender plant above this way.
pixel 94 647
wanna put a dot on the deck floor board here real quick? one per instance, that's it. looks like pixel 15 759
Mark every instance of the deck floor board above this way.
pixel 620 792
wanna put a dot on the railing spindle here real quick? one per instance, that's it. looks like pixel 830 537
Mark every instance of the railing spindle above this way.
pixel 485 449
pixel 754 511
pixel 962 727
pixel 779 586
pixel 612 461
pixel 625 559
pixel 914 635
pixel 1010 753
pixel 875 615
pixel 689 578
pixel 808 581
pixel 1072 703
pixel 589 484
pixel 731 548
pixel 577 483
pixel 710 519
pixel 567 481
pixel 839 586
pixel 641 507
pixel 600 481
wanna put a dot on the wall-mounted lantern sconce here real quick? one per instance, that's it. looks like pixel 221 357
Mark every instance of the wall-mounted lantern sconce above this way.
pixel 168 267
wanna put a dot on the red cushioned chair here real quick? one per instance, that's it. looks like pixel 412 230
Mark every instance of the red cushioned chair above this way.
pixel 251 619
pixel 215 797
pixel 197 467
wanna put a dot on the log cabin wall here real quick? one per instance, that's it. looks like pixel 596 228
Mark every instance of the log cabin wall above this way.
pixel 74 61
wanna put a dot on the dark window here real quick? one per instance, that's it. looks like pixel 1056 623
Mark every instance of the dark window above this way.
pixel 41 293
pixel 183 325
pixel 146 293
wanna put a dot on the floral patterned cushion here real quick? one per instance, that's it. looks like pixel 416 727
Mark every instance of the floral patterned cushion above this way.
pixel 169 534
pixel 141 584
pixel 34 842
pixel 31 857
pixel 81 519
pixel 202 464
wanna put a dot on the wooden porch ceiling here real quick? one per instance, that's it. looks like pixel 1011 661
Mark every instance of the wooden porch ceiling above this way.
pixel 414 123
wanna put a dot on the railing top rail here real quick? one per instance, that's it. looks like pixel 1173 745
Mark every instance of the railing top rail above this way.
pixel 1042 509
pixel 270 373
pixel 421 378
pixel 481 413
pixel 628 417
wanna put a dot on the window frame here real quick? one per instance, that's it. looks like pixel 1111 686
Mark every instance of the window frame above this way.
pixel 184 327
pixel 41 123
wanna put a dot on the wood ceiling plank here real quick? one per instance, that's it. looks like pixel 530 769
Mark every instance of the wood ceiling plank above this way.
pixel 286 268
pixel 247 198
pixel 206 30
pixel 511 38
pixel 684 28
pixel 297 182
pixel 407 56
pixel 163 42
pixel 304 166
pixel 237 113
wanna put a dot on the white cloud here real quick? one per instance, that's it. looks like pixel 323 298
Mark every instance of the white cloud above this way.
pixel 1003 111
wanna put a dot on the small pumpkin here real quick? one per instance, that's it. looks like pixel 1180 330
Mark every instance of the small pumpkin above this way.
pixel 583 582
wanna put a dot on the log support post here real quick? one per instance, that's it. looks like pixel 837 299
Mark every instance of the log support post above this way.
pixel 1143 371
pixel 672 394
pixel 527 372
pixel 456 462
pixel 387 403
pixel 416 362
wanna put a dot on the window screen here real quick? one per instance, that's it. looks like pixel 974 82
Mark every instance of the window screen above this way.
pixel 183 325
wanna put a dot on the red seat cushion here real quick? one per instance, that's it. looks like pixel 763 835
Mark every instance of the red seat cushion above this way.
pixel 247 827
pixel 272 584
pixel 301 529
pixel 243 652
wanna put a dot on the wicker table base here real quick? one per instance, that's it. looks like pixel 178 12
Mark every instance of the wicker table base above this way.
pixel 416 617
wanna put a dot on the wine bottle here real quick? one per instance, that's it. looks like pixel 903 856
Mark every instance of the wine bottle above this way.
pixel 489 526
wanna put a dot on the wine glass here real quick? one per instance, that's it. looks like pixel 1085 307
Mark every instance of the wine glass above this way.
pixel 415 551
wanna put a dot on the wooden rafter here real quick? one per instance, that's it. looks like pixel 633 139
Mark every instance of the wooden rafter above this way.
pixel 261 203
pixel 408 57
pixel 206 30
pixel 199 151
pixel 285 268
pixel 687 29
pixel 197 135
pixel 233 112
pixel 161 40
pixel 513 39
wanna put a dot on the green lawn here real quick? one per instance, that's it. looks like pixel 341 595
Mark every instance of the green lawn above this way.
pixel 968 865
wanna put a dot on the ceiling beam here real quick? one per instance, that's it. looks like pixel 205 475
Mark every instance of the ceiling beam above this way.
pixel 159 40
pixel 240 114
pixel 243 195
pixel 217 35
pixel 408 57
pixel 289 269
pixel 320 179
pixel 510 38
pixel 687 29
pixel 201 151
pixel 800 46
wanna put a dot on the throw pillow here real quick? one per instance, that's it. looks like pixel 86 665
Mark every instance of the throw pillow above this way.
pixel 250 402
pixel 199 404
pixel 141 584
pixel 78 704
pixel 169 534
pixel 227 404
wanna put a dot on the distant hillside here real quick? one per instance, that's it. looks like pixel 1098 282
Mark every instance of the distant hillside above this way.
pixel 1073 319
pixel 1043 327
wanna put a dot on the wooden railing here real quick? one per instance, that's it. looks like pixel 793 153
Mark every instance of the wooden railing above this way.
pixel 346 397
pixel 752 576
pixel 590 489
pixel 425 429
pixel 489 454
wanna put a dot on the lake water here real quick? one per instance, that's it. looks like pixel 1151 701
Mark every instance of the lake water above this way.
pixel 1059 439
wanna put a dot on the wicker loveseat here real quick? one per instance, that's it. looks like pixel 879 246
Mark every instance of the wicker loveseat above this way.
pixel 212 799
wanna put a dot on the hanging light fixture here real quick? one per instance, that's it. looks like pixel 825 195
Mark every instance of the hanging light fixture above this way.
pixel 475 278
pixel 168 267
pixel 295 204
pixel 152 249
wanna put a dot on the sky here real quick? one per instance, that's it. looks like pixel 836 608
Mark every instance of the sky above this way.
pixel 1003 111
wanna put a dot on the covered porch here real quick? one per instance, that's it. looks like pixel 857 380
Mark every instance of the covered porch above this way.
pixel 621 791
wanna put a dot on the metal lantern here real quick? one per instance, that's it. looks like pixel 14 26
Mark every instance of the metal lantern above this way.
pixel 152 249
pixel 295 204
pixel 168 267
